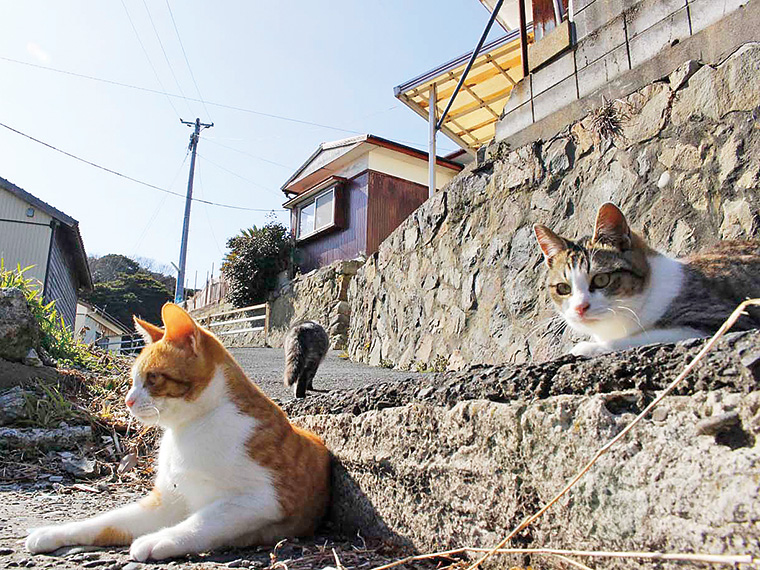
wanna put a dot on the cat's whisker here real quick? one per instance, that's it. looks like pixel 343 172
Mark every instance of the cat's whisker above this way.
pixel 635 316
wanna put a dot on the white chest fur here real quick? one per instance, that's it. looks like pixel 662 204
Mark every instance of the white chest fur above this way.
pixel 205 459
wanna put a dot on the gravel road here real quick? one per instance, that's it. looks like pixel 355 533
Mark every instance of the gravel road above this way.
pixel 265 367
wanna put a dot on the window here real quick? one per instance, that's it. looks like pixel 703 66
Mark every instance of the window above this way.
pixel 316 214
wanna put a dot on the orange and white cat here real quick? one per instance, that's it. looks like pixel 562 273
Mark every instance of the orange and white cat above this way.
pixel 232 470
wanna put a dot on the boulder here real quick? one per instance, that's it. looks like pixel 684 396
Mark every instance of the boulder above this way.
pixel 462 458
pixel 19 330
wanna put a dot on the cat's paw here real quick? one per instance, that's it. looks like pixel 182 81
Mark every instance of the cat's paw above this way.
pixel 588 348
pixel 47 539
pixel 157 546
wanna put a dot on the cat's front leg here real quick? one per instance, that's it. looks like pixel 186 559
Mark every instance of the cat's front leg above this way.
pixel 114 528
pixel 588 348
pixel 218 524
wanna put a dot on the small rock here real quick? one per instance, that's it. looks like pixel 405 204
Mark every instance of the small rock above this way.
pixel 718 423
pixel 6 551
pixel 33 359
pixel 664 180
pixel 751 360
pixel 132 566
pixel 127 463
pixel 55 478
pixel 96 563
pixel 81 467
pixel 239 563
pixel 12 405
pixel 660 414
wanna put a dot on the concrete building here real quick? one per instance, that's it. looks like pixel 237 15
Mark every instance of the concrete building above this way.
pixel 35 234
pixel 564 58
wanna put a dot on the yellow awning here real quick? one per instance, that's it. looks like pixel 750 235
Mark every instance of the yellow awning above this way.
pixel 471 121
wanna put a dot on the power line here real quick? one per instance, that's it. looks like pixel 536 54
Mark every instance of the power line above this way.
pixel 190 69
pixel 147 184
pixel 196 100
pixel 213 141
pixel 166 57
pixel 227 170
pixel 148 58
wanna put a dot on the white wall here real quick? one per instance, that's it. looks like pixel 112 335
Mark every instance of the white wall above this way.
pixel 23 240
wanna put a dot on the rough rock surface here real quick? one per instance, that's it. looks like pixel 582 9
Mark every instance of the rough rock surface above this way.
pixel 461 280
pixel 19 331
pixel 463 458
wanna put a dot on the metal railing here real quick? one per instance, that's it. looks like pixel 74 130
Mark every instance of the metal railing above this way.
pixel 134 343
pixel 262 320
pixel 122 344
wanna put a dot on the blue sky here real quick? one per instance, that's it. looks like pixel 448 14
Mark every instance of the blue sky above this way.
pixel 333 63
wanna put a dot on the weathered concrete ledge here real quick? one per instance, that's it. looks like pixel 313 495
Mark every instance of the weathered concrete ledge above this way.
pixel 462 459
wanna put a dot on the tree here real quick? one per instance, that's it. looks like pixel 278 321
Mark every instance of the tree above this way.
pixel 131 294
pixel 256 257
pixel 125 287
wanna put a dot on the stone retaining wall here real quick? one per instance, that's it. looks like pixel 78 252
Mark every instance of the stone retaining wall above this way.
pixel 320 295
pixel 461 280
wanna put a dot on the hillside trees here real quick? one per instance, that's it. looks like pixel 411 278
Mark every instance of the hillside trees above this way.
pixel 124 288
pixel 256 257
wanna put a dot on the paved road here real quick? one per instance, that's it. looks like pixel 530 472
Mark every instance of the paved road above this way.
pixel 265 367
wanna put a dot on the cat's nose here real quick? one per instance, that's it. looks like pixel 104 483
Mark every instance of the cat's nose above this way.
pixel 130 401
pixel 581 309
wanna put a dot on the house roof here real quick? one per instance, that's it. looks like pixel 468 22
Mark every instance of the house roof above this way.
pixel 329 156
pixel 70 231
pixel 471 121
pixel 101 313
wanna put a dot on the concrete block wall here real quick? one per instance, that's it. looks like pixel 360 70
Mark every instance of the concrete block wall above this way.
pixel 611 37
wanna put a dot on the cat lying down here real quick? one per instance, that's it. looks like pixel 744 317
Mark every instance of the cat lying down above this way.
pixel 232 470
pixel 621 292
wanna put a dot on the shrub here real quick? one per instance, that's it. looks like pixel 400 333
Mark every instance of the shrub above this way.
pixel 256 257
pixel 57 339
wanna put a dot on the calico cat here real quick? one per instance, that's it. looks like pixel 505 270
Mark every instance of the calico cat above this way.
pixel 306 346
pixel 623 293
pixel 232 470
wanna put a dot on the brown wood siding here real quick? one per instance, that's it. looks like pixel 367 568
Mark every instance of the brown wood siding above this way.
pixel 344 243
pixel 61 282
pixel 391 200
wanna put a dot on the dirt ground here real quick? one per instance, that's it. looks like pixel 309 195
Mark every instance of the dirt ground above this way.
pixel 27 506
pixel 45 495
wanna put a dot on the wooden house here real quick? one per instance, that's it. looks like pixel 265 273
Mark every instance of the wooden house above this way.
pixel 34 233
pixel 351 194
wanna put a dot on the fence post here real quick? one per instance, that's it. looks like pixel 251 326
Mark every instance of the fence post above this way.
pixel 266 321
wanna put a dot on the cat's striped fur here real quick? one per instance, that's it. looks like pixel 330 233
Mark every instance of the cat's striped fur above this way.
pixel 305 346
pixel 617 289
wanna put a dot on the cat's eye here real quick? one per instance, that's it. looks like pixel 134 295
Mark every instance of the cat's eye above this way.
pixel 150 378
pixel 563 289
pixel 600 280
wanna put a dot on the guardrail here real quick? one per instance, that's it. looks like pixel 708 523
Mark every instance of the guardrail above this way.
pixel 212 321
pixel 133 344
pixel 123 344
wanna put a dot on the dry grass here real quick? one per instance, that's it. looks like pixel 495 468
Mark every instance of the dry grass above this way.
pixel 607 120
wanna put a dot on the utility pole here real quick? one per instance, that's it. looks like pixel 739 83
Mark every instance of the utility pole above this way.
pixel 179 291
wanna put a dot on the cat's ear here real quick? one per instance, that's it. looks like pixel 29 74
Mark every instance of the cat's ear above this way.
pixel 181 329
pixel 150 333
pixel 549 242
pixel 611 227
